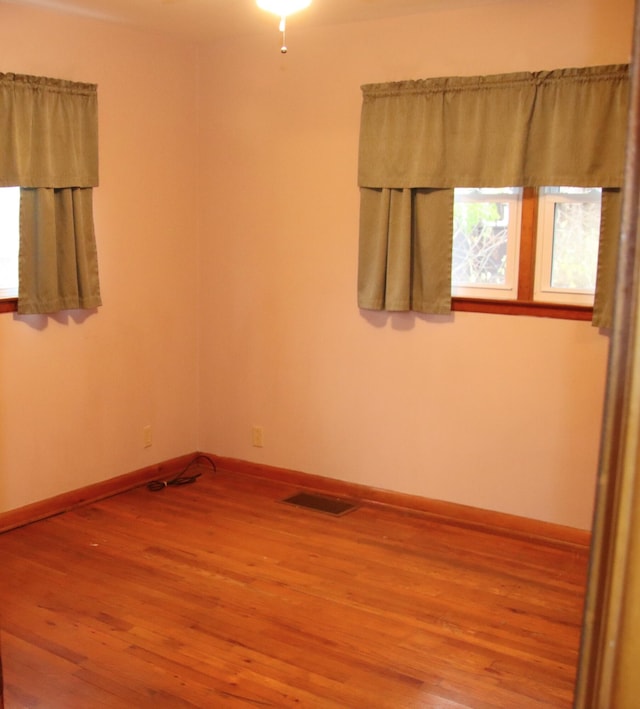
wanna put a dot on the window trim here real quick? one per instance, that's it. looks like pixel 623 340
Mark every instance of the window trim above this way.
pixel 518 307
pixel 8 301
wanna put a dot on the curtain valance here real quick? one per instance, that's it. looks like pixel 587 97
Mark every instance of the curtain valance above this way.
pixel 48 132
pixel 561 127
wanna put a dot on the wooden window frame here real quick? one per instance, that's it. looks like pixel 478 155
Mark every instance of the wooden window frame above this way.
pixel 525 304
pixel 8 301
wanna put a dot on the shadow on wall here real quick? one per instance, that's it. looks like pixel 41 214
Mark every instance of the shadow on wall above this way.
pixel 41 322
pixel 402 321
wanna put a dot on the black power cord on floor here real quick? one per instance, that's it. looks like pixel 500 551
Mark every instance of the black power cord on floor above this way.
pixel 182 478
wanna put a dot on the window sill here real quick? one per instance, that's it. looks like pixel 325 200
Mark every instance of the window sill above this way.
pixel 518 307
pixel 8 300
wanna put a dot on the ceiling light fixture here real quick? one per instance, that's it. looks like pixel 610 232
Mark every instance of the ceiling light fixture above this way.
pixel 282 8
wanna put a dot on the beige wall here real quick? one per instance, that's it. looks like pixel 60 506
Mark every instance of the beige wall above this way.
pixel 255 321
pixel 75 391
pixel 492 411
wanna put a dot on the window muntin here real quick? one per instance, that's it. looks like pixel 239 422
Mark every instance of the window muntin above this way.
pixel 9 240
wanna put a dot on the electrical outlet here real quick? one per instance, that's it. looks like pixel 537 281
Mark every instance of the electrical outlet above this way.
pixel 147 436
pixel 257 436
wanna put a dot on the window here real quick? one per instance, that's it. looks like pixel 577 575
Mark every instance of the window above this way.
pixel 530 246
pixel 567 245
pixel 486 242
pixel 9 233
pixel 420 139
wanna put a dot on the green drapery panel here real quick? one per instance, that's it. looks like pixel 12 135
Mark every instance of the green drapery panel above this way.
pixel 610 223
pixel 49 148
pixel 58 262
pixel 562 127
pixel 405 264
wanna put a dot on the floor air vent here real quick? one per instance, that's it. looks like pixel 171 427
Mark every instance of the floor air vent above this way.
pixel 330 505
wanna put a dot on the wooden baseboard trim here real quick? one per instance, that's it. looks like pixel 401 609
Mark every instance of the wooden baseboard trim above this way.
pixel 98 491
pixel 450 512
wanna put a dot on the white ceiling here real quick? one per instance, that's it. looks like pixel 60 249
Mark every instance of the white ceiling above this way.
pixel 202 20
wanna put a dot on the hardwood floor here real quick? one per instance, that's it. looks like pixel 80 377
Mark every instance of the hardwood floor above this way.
pixel 219 595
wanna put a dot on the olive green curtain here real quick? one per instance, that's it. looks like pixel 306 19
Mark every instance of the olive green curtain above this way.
pixel 610 225
pixel 49 148
pixel 562 127
pixel 58 261
pixel 402 249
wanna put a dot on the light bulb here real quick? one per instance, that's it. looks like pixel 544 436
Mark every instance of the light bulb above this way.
pixel 282 8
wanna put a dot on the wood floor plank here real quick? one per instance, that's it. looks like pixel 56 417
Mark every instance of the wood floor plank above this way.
pixel 219 595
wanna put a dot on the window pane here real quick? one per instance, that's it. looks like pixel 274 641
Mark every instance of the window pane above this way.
pixel 486 223
pixel 480 238
pixel 567 244
pixel 9 236
pixel 576 230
